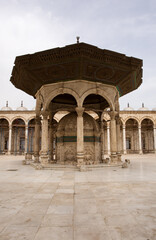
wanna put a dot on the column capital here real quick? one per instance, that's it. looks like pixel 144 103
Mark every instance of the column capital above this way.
pixel 80 111
pixel 113 114
pixel 45 114
pixel 108 124
pixel 37 120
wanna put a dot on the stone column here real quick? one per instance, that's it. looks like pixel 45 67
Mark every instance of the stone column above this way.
pixel 108 138
pixel 26 141
pixel 154 129
pixel 140 145
pixel 102 141
pixel 37 139
pixel 51 139
pixel 44 144
pixel 10 139
pixel 113 137
pixel 80 150
pixel 118 122
pixel 124 139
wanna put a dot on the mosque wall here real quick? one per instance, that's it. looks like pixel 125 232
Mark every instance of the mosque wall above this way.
pixel 137 132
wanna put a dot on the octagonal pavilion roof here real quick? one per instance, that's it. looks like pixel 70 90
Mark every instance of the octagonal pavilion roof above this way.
pixel 75 62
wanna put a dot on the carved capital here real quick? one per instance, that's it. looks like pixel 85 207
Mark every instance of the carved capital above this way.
pixel 45 114
pixel 113 114
pixel 37 120
pixel 80 111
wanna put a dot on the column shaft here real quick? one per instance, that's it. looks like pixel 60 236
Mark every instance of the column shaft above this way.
pixel 37 139
pixel 124 139
pixel 154 129
pixel 113 138
pixel 51 150
pixel 10 139
pixel 44 145
pixel 102 141
pixel 80 150
pixel 108 138
pixel 26 139
pixel 118 139
pixel 140 147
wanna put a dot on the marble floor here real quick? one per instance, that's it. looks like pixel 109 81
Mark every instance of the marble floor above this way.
pixel 104 204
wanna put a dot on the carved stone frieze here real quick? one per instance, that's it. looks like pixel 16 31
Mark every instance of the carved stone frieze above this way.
pixel 74 62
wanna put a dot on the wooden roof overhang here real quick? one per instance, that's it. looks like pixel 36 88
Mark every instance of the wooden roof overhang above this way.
pixel 75 62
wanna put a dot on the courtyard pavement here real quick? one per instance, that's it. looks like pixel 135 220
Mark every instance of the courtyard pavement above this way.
pixel 106 204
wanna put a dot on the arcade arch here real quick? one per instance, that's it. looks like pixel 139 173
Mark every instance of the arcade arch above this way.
pixel 18 136
pixel 4 135
pixel 147 135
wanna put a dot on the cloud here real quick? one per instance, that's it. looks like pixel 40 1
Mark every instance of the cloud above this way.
pixel 123 26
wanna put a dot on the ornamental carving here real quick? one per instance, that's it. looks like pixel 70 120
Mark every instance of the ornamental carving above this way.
pixel 88 154
pixel 70 153
pixel 104 73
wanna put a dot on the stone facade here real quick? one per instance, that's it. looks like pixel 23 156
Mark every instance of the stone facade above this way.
pixel 77 78
pixel 137 131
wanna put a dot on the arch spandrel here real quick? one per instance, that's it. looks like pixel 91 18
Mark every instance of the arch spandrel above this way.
pixel 147 117
pixel 79 89
pixel 31 118
pixel 131 117
pixel 19 117
pixel 100 92
pixel 7 119
pixel 57 92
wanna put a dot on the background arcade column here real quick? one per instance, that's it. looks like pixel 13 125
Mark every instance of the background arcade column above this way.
pixel 102 140
pixel 108 138
pixel 140 145
pixel 26 140
pixel 118 122
pixel 124 139
pixel 44 144
pixel 80 137
pixel 51 140
pixel 37 138
pixel 10 139
pixel 154 129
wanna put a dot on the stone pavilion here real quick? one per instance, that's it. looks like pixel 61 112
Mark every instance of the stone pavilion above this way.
pixel 81 81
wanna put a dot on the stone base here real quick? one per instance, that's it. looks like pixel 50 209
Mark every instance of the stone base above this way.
pixel 28 156
pixel 114 158
pixel 44 159
pixel 119 157
pixel 36 158
pixel 80 162
pixel 80 158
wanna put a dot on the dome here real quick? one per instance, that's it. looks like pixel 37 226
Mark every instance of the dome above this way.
pixel 128 108
pixel 143 108
pixel 6 108
pixel 21 108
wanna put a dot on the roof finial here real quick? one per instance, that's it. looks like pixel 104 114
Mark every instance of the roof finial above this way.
pixel 6 103
pixel 78 38
pixel 21 103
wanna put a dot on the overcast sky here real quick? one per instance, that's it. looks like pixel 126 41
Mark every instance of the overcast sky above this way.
pixel 28 26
